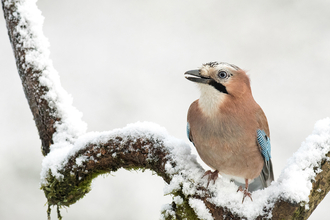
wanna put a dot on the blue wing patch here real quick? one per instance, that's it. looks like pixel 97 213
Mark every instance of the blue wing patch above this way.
pixel 188 131
pixel 264 143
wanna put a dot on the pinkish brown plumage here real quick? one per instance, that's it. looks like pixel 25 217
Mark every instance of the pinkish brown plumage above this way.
pixel 223 125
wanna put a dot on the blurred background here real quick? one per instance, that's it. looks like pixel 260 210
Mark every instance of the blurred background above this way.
pixel 123 61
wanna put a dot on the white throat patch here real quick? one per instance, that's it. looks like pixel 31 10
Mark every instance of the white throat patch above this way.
pixel 210 99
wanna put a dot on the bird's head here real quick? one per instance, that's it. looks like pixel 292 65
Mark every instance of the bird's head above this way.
pixel 224 77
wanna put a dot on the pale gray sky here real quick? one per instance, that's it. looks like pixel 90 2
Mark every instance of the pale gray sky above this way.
pixel 123 61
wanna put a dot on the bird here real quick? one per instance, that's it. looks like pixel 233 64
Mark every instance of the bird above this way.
pixel 228 128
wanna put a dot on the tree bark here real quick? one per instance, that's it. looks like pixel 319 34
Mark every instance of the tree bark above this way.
pixel 129 152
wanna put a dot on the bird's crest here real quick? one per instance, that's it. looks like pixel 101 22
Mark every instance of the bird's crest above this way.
pixel 214 64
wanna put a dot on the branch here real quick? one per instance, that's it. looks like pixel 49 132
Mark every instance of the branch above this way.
pixel 68 172
pixel 19 35
pixel 75 157
pixel 50 104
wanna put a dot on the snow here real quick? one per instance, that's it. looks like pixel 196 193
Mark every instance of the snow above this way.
pixel 201 211
pixel 295 179
pixel 167 211
pixel 80 160
pixel 178 200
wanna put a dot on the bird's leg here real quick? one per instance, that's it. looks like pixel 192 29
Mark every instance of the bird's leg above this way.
pixel 211 176
pixel 245 191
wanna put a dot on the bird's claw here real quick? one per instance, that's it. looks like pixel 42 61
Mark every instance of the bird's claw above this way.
pixel 211 176
pixel 245 193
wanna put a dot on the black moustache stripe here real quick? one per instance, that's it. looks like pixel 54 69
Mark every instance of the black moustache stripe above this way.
pixel 218 86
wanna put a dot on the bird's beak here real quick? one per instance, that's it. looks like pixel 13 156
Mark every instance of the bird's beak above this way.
pixel 195 76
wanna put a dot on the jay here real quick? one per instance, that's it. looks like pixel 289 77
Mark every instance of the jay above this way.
pixel 228 128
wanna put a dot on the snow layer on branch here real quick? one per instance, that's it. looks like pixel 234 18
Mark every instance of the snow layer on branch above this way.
pixel 295 179
pixel 59 156
pixel 201 211
pixel 294 183
pixel 36 57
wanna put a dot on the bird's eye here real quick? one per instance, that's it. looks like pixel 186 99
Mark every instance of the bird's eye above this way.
pixel 222 74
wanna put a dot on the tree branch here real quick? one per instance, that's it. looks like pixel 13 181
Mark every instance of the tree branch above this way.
pixel 34 92
pixel 74 158
pixel 55 117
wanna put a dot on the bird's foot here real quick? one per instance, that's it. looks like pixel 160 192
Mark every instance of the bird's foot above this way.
pixel 211 176
pixel 245 193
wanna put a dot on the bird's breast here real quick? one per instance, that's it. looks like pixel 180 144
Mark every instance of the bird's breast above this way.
pixel 226 142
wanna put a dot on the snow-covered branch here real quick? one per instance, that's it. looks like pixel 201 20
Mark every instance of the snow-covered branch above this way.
pixel 55 117
pixel 137 146
pixel 73 158
pixel 301 186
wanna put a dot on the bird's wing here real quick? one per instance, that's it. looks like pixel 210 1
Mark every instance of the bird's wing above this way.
pixel 189 133
pixel 266 176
